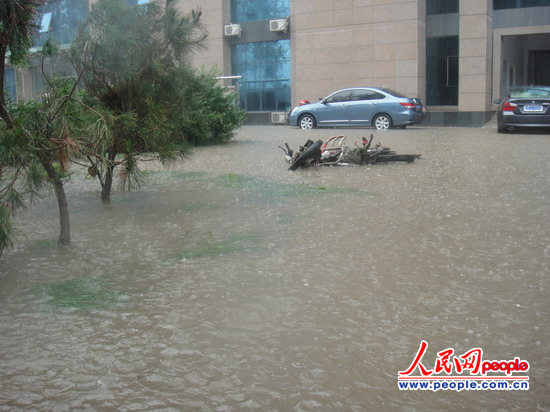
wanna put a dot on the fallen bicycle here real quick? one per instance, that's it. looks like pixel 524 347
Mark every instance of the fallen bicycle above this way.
pixel 335 153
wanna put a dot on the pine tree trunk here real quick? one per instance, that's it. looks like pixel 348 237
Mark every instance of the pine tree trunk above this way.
pixel 3 111
pixel 65 228
pixel 64 224
pixel 108 182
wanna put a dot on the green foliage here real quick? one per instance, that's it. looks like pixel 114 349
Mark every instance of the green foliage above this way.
pixel 209 114
pixel 37 137
pixel 82 294
pixel 210 247
pixel 45 133
pixel 127 58
pixel 49 49
pixel 16 28
pixel 128 52
pixel 21 174
pixel 271 190
pixel 135 62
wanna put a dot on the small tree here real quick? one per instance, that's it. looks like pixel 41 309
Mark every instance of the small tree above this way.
pixel 129 56
pixel 16 26
pixel 16 29
pixel 35 148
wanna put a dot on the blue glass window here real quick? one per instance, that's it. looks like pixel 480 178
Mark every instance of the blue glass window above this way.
pixel 10 83
pixel 265 71
pixel 518 4
pixel 60 20
pixel 252 10
pixel 441 7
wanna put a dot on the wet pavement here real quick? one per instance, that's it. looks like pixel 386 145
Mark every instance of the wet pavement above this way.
pixel 229 283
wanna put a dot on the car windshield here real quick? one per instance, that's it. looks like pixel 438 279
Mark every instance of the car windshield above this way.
pixel 392 92
pixel 529 93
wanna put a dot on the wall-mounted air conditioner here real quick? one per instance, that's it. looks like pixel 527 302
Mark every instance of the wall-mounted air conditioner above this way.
pixel 232 30
pixel 279 117
pixel 278 25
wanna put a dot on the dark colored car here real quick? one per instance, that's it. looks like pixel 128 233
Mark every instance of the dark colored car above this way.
pixel 525 106
pixel 362 106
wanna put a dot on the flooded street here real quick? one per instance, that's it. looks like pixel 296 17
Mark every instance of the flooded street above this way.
pixel 229 283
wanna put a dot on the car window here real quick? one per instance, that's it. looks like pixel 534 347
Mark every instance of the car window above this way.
pixel 339 97
pixel 360 94
pixel 393 92
pixel 529 93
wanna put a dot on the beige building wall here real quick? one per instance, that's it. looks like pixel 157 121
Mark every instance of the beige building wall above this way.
pixel 215 14
pixel 475 51
pixel 349 43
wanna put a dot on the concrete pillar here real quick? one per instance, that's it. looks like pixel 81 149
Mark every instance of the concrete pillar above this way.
pixel 475 55
pixel 410 48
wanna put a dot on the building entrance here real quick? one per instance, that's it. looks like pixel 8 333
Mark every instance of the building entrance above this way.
pixel 539 64
pixel 524 60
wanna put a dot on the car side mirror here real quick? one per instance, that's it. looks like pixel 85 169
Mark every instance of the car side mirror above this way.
pixel 322 101
pixel 496 101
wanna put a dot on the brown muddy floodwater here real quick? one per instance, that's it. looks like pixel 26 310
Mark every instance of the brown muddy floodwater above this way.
pixel 228 283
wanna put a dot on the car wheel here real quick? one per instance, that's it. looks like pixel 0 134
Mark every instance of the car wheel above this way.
pixel 307 121
pixel 382 122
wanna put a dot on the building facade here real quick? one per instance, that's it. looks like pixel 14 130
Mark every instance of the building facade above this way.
pixel 456 55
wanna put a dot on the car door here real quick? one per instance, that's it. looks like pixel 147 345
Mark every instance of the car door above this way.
pixel 363 106
pixel 334 110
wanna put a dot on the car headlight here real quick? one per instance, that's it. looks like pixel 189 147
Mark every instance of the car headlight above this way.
pixel 293 110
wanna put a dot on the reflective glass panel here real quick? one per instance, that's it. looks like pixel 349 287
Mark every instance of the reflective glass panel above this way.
pixel 441 7
pixel 10 83
pixel 344 96
pixel 518 4
pixel 365 95
pixel 392 92
pixel 60 20
pixel 265 71
pixel 529 93
pixel 252 10
pixel 45 24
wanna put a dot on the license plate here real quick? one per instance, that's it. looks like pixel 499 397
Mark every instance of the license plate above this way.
pixel 532 108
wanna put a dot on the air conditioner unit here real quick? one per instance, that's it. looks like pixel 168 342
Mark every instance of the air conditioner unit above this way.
pixel 233 30
pixel 279 117
pixel 278 25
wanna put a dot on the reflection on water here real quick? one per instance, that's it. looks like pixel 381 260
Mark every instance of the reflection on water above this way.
pixel 229 283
